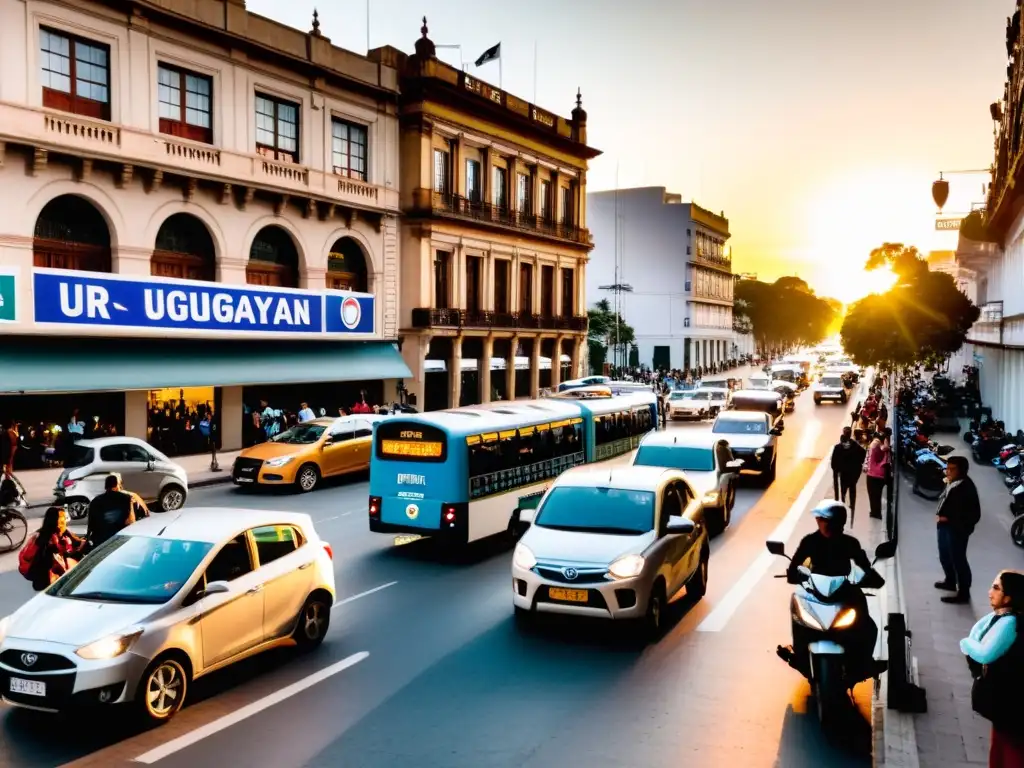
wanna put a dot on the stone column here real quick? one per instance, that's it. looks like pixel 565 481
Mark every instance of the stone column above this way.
pixel 231 271
pixel 510 369
pixel 314 279
pixel 556 364
pixel 231 418
pixel 535 369
pixel 136 414
pixel 455 373
pixel 577 355
pixel 483 367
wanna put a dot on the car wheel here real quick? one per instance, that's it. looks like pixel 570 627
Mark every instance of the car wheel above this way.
pixel 769 477
pixel 77 508
pixel 172 498
pixel 697 587
pixel 651 624
pixel 313 623
pixel 307 478
pixel 817 401
pixel 162 690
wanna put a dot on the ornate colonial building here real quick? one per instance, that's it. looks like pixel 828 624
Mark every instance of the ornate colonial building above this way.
pixel 199 205
pixel 494 242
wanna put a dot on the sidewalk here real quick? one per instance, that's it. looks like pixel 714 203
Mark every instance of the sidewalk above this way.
pixel 40 483
pixel 950 734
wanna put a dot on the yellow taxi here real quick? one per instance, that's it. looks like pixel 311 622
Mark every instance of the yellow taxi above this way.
pixel 306 453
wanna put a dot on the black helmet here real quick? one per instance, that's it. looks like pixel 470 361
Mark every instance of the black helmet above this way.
pixel 833 511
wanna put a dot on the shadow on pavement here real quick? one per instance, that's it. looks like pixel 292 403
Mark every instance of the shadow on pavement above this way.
pixel 803 743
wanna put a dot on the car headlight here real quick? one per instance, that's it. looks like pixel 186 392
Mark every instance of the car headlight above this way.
pixel 280 461
pixel 110 647
pixel 845 619
pixel 627 567
pixel 5 622
pixel 523 557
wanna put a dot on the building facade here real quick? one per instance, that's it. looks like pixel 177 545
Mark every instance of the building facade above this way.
pixel 494 242
pixel 199 210
pixel 994 252
pixel 673 256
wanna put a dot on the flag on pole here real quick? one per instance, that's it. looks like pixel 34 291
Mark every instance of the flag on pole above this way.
pixel 491 54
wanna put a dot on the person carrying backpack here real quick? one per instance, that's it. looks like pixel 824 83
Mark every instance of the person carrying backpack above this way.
pixel 995 656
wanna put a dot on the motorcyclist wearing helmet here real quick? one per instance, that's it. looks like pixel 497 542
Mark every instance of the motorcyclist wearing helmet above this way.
pixel 830 551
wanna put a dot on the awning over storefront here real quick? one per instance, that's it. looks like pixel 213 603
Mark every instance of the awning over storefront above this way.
pixel 66 364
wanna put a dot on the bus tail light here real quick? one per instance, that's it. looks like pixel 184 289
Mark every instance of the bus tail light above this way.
pixel 375 502
pixel 449 514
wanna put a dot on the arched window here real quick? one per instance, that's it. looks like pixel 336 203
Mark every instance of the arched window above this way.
pixel 184 249
pixel 346 266
pixel 273 259
pixel 71 233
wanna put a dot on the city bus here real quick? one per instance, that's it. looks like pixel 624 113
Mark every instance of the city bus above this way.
pixel 459 474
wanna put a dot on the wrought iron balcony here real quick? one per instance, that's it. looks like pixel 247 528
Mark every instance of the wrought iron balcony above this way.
pixel 459 207
pixel 426 317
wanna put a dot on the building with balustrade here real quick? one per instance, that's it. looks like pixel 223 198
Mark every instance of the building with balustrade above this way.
pixel 672 255
pixel 199 207
pixel 494 242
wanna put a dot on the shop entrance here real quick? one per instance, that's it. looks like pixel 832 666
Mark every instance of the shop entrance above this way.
pixel 176 416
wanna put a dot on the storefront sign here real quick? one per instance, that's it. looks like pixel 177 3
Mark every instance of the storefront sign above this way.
pixel 948 224
pixel 8 301
pixel 92 299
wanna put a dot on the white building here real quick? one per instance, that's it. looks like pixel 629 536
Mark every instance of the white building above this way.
pixel 673 255
pixel 199 207
pixel 946 261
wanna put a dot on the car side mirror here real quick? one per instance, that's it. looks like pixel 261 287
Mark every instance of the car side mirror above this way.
pixel 678 525
pixel 149 465
pixel 885 550
pixel 776 547
pixel 215 588
pixel 328 441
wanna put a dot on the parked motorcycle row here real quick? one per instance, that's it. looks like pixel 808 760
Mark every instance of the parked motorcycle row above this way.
pixel 992 444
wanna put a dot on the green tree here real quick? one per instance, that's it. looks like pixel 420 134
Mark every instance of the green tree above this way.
pixel 785 313
pixel 923 318
pixel 603 334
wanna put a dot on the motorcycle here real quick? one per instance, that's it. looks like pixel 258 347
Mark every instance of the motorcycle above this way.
pixel 822 618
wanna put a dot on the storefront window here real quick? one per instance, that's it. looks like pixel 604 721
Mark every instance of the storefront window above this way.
pixel 269 410
pixel 178 422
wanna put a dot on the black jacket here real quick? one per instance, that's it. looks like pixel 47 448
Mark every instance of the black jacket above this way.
pixel 109 513
pixel 961 507
pixel 848 459
pixel 829 555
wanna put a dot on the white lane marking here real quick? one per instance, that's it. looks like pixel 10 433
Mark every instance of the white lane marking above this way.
pixel 344 514
pixel 719 617
pixel 363 594
pixel 324 520
pixel 187 740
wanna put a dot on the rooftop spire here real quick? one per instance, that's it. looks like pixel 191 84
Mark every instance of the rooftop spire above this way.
pixel 316 24
pixel 424 46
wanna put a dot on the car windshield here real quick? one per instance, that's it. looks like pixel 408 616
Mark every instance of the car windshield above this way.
pixel 301 434
pixel 133 569
pixel 832 381
pixel 597 510
pixel 77 456
pixel 678 395
pixel 685 458
pixel 699 395
pixel 737 427
pixel 718 395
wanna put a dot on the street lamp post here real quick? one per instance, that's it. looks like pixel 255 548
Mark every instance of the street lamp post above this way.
pixel 940 187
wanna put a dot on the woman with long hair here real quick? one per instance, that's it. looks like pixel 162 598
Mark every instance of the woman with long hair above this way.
pixel 995 654
pixel 56 545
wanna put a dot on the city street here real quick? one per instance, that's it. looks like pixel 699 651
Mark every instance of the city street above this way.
pixel 423 665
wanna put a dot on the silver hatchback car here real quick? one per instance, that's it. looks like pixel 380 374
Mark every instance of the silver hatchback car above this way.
pixel 611 542
pixel 164 602
pixel 143 470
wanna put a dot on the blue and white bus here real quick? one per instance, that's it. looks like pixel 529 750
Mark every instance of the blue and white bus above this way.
pixel 459 474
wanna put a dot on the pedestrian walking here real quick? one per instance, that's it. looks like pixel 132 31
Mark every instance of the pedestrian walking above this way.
pixel 877 459
pixel 995 656
pixel 957 514
pixel 847 464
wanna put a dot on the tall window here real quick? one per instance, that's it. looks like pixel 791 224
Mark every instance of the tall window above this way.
pixel 566 205
pixel 473 191
pixel 442 290
pixel 348 149
pixel 568 292
pixel 75 74
pixel 474 278
pixel 502 285
pixel 277 128
pixel 185 104
pixel 545 200
pixel 526 289
pixel 547 290
pixel 441 172
pixel 523 193
pixel 500 183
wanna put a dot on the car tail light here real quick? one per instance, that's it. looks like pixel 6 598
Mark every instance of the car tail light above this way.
pixel 375 502
pixel 328 550
pixel 448 514
pixel 68 483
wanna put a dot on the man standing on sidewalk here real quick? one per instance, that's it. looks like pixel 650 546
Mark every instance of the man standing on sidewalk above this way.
pixel 958 513
pixel 847 464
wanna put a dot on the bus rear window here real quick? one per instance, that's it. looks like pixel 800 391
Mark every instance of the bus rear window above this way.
pixel 408 441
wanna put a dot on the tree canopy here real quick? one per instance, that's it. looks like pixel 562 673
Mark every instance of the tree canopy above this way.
pixel 923 318
pixel 602 333
pixel 785 313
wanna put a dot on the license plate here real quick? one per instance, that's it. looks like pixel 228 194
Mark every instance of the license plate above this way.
pixel 29 687
pixel 568 595
pixel 407 538
pixel 244 480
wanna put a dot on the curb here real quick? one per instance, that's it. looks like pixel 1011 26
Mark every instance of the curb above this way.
pixel 197 484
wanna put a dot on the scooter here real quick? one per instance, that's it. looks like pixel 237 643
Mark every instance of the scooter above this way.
pixel 822 621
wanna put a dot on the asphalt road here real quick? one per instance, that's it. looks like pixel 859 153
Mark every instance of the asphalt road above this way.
pixel 450 682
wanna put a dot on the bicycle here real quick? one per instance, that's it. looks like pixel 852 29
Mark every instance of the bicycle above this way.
pixel 13 529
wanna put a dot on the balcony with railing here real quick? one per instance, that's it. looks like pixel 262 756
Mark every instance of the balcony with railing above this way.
pixel 427 317
pixel 466 209
pixel 706 257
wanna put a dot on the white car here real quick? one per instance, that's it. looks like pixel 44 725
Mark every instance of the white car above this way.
pixel 830 387
pixel 703 403
pixel 166 601
pixel 143 469
pixel 614 543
